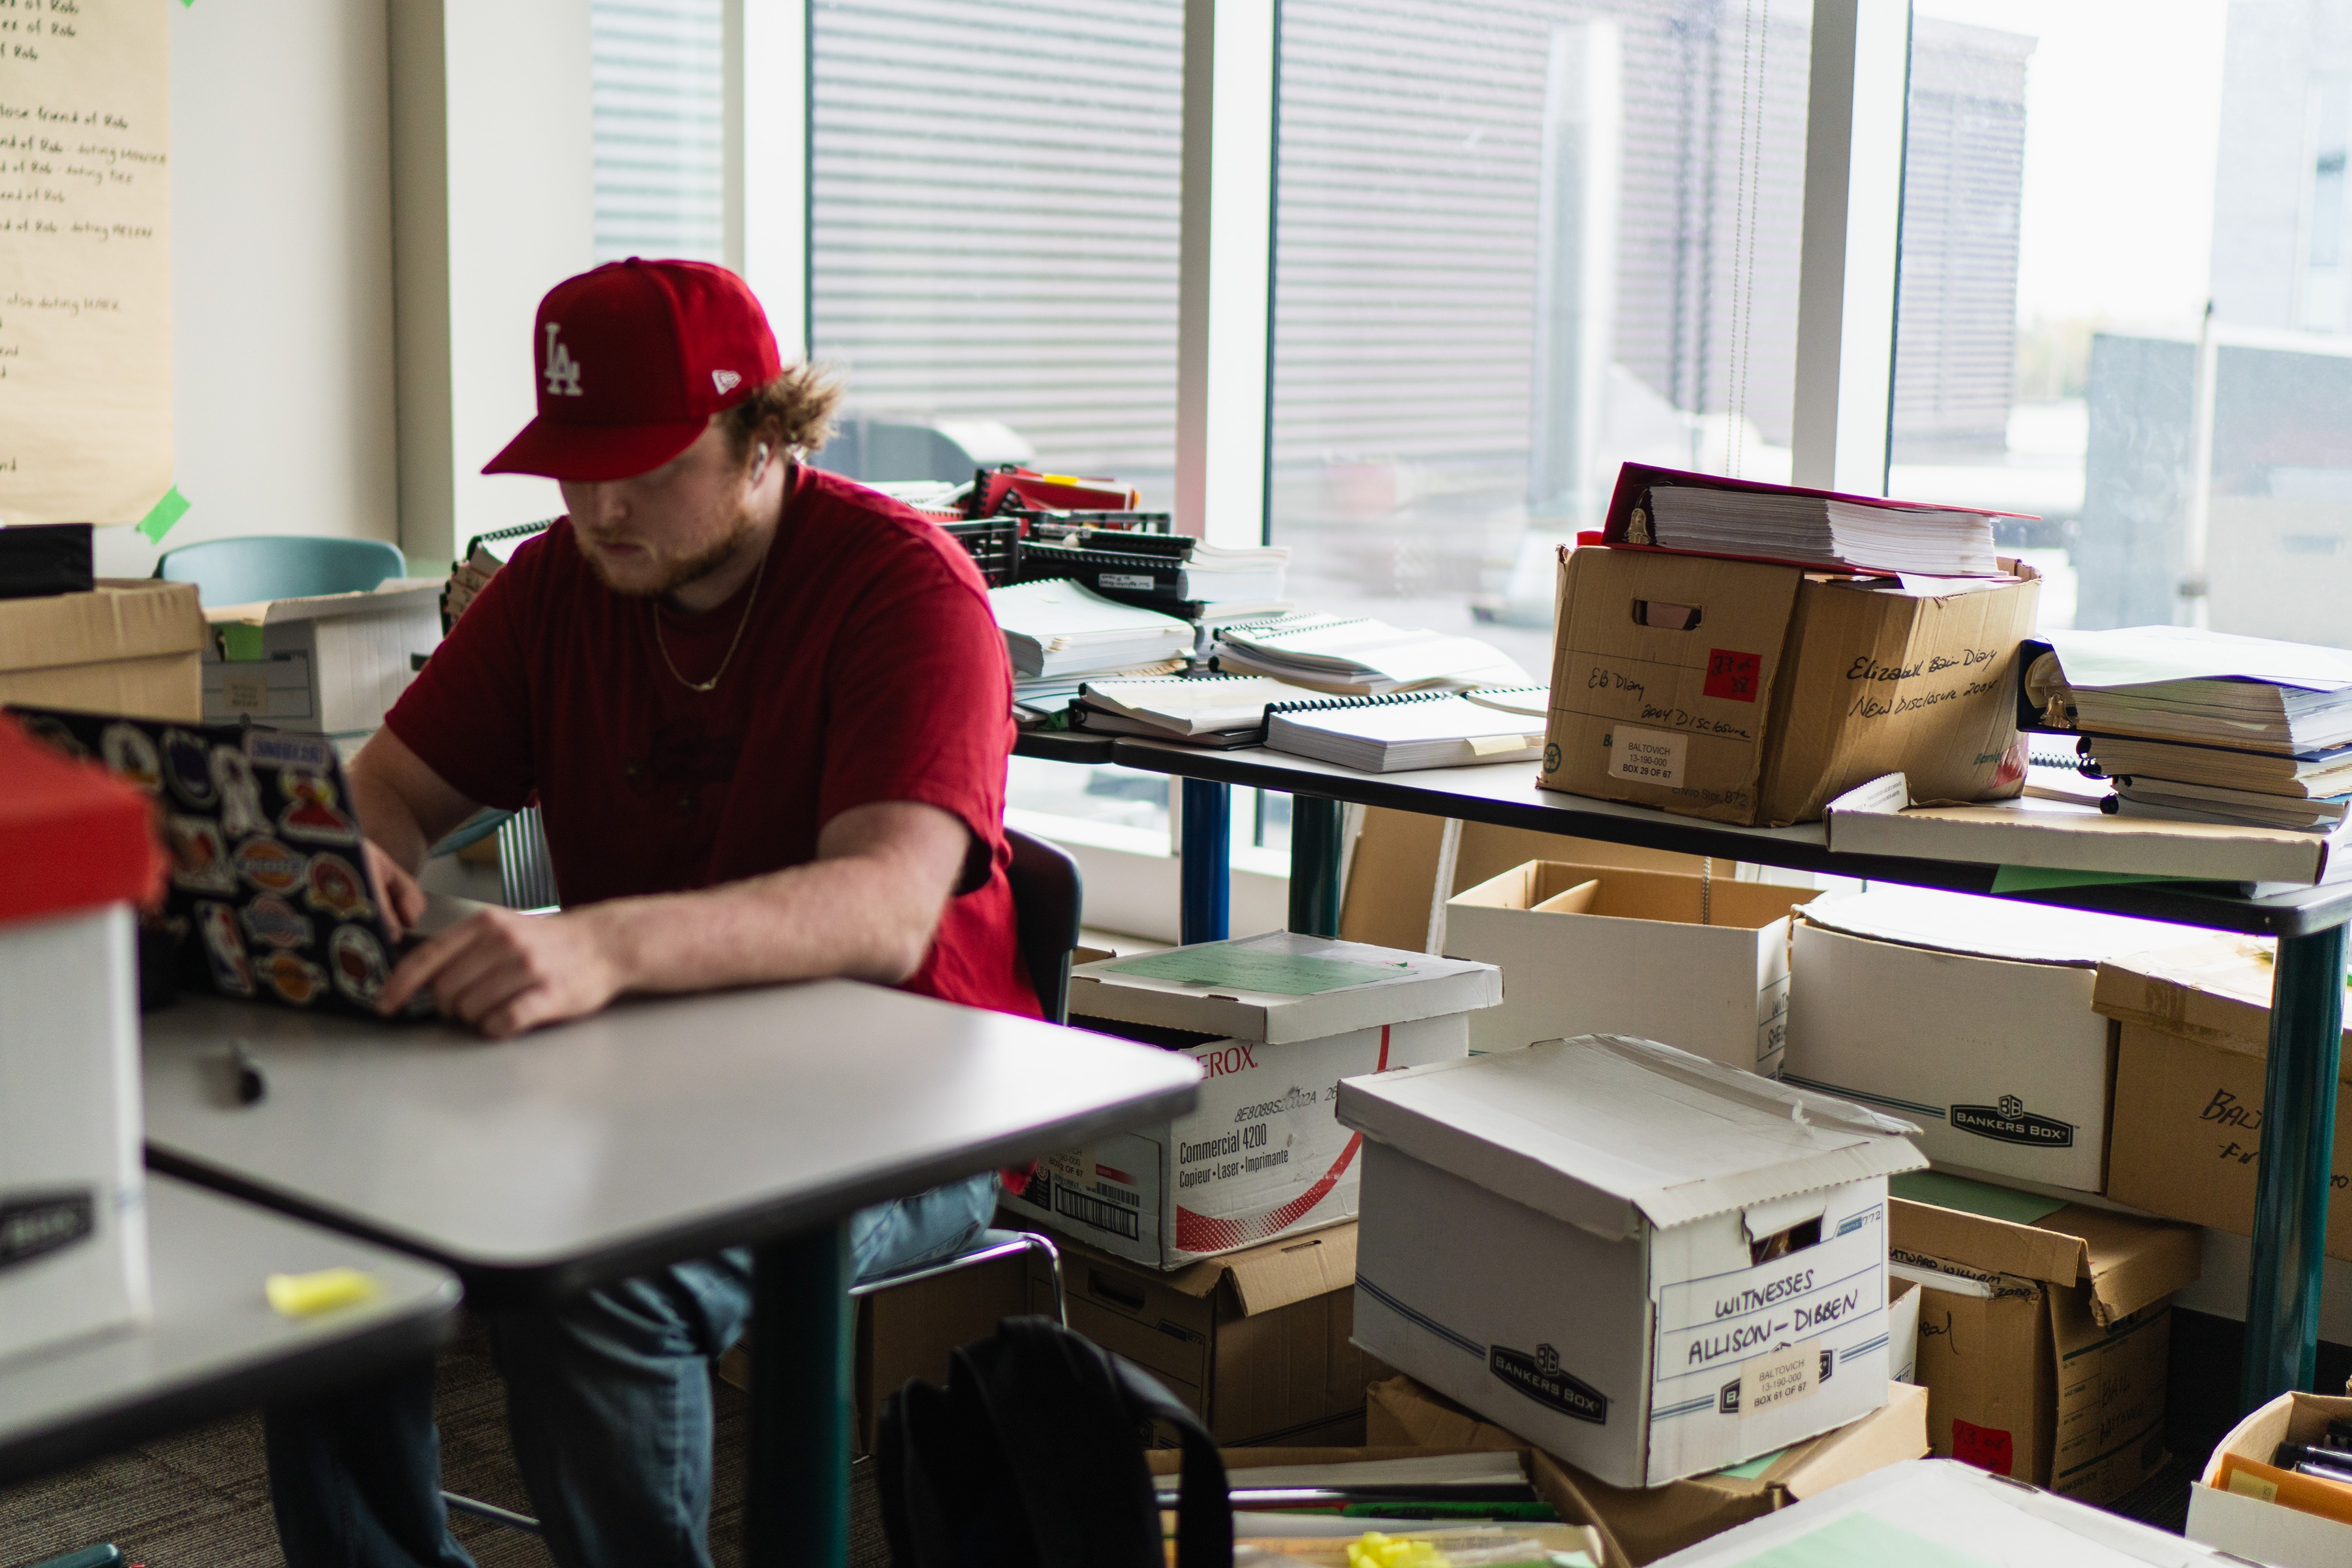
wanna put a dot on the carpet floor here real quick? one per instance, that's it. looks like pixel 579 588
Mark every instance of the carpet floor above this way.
pixel 201 1499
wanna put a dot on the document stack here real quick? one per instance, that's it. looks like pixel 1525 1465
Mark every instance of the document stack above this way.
pixel 1058 633
pixel 1403 730
pixel 1804 528
pixel 1215 711
pixel 2200 726
pixel 1359 656
pixel 1173 573
pixel 485 555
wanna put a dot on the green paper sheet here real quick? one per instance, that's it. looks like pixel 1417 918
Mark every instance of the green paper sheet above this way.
pixel 1864 1540
pixel 2032 878
pixel 1753 1467
pixel 1973 1196
pixel 1255 969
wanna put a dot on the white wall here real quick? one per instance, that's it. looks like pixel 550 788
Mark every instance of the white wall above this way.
pixel 281 276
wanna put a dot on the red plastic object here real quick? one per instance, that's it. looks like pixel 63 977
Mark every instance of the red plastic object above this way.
pixel 72 836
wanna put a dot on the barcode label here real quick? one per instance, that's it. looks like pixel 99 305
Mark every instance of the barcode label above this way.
pixel 1088 1210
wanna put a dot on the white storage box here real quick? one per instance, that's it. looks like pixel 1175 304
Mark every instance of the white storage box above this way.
pixel 1970 1015
pixel 2244 1522
pixel 73 1230
pixel 1700 961
pixel 1643 1262
pixel 331 663
pixel 1275 1021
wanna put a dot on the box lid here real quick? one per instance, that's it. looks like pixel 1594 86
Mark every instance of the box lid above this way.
pixel 1604 1131
pixel 121 618
pixel 1988 927
pixel 1280 986
pixel 1975 1228
pixel 72 835
pixel 393 593
pixel 2212 988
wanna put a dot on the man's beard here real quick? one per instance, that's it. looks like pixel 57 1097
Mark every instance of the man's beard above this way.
pixel 685 570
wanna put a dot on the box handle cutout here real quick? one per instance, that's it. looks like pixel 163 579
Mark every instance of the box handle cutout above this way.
pixel 1110 1290
pixel 1664 617
pixel 1782 1243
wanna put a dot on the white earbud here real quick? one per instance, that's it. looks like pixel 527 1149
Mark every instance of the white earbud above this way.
pixel 759 466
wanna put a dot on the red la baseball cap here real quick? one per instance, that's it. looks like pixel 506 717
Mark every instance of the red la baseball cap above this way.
pixel 633 359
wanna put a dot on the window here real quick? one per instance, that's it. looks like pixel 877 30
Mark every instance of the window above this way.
pixel 2133 161
pixel 1516 244
pixel 656 100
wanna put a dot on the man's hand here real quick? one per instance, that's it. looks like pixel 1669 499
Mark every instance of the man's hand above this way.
pixel 504 973
pixel 403 901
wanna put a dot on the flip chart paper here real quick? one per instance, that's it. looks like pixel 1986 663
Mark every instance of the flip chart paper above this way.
pixel 1864 1540
pixel 85 262
pixel 1247 969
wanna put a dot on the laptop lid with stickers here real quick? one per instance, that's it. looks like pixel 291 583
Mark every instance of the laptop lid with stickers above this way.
pixel 270 894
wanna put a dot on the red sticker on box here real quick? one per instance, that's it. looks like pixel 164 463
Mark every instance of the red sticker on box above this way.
pixel 1733 675
pixel 1987 1448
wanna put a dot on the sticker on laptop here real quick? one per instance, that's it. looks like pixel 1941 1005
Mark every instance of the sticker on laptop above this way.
pixel 270 865
pixel 311 813
pixel 199 859
pixel 240 793
pixel 356 960
pixel 129 752
pixel 337 888
pixel 279 748
pixel 187 767
pixel 272 922
pixel 223 948
pixel 295 979
pixel 53 732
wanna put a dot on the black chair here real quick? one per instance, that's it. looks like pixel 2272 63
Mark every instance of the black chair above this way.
pixel 1047 896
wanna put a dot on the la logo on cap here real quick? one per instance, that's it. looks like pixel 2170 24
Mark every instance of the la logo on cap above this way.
pixel 562 370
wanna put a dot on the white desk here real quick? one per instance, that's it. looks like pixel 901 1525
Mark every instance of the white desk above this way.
pixel 658 1131
pixel 215 1345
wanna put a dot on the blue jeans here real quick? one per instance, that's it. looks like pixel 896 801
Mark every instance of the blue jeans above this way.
pixel 608 1400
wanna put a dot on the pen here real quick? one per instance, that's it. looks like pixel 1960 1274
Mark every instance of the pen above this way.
pixel 250 1085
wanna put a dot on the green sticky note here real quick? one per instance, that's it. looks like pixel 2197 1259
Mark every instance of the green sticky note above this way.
pixel 1973 1196
pixel 241 644
pixel 1255 969
pixel 163 514
pixel 1864 1540
pixel 2032 878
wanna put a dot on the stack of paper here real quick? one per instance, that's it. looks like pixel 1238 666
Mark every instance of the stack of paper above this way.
pixel 485 554
pixel 1359 656
pixel 1216 574
pixel 1817 530
pixel 1061 628
pixel 1214 710
pixel 1396 735
pixel 2197 726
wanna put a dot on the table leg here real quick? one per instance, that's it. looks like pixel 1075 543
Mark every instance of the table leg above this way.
pixel 1208 861
pixel 2298 1146
pixel 1316 849
pixel 796 1485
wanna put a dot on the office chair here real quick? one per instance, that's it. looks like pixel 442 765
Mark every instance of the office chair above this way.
pixel 1047 896
pixel 279 566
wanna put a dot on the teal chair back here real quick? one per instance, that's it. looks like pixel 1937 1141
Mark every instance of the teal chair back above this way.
pixel 279 566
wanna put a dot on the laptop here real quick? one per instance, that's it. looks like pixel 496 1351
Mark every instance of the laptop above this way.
pixel 268 882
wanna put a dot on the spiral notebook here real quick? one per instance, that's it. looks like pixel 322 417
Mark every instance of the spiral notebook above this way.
pixel 1398 731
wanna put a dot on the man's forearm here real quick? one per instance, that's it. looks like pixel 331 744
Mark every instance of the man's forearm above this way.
pixel 856 915
pixel 387 818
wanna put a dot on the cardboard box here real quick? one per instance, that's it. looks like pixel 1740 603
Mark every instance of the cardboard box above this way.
pixel 129 646
pixel 1902 1330
pixel 333 663
pixel 1995 1051
pixel 1402 867
pixel 1260 1155
pixel 1638 1525
pixel 1700 962
pixel 2191 1054
pixel 1648 1263
pixel 1255 1341
pixel 73 1224
pixel 1926 1513
pixel 1754 693
pixel 2043 1331
pixel 2249 1524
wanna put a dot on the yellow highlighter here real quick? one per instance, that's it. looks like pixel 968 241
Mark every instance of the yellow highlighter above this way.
pixel 308 1295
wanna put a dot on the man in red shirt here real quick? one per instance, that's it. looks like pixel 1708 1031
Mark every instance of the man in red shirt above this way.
pixel 765 712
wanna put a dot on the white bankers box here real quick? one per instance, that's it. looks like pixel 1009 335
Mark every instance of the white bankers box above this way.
pixel 1970 1015
pixel 1275 1022
pixel 1648 1263
pixel 332 662
pixel 1700 961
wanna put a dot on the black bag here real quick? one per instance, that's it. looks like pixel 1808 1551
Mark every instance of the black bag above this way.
pixel 1032 1457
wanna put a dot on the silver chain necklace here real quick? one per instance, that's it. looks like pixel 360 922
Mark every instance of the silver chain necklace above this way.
pixel 740 627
